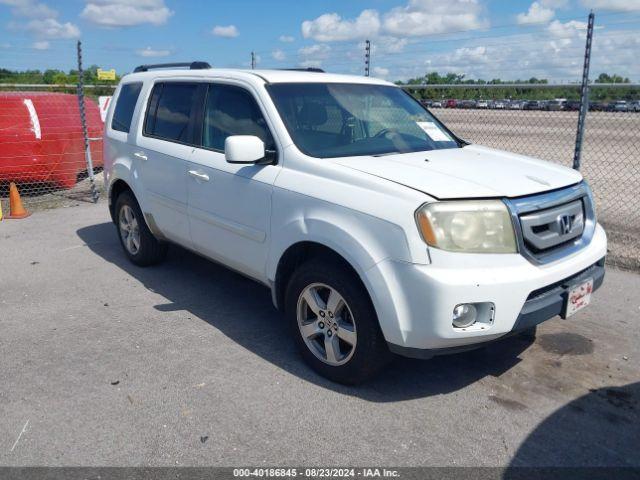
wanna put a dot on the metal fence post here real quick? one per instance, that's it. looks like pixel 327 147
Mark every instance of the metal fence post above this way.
pixel 584 95
pixel 367 57
pixel 83 120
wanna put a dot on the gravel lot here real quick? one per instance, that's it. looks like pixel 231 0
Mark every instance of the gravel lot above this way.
pixel 187 363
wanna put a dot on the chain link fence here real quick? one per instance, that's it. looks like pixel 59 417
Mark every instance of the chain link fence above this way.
pixel 546 129
pixel 611 164
pixel 42 144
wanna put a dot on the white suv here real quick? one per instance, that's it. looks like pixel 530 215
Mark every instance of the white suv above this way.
pixel 376 228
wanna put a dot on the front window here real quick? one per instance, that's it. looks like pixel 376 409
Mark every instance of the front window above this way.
pixel 337 120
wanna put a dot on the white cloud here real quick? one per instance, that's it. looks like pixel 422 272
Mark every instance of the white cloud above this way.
pixel 52 28
pixel 126 13
pixel 391 44
pixel 151 52
pixel 417 18
pixel 228 31
pixel 30 9
pixel 331 27
pixel 286 38
pixel 42 23
pixel 311 63
pixel 614 5
pixel 313 55
pixel 42 45
pixel 380 71
pixel 537 13
pixel 318 50
pixel 427 17
pixel 569 29
pixel 278 55
pixel 555 4
pixel 554 53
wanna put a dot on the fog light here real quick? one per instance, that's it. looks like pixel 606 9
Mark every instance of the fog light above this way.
pixel 464 315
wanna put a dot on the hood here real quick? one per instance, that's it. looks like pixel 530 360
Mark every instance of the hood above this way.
pixel 469 172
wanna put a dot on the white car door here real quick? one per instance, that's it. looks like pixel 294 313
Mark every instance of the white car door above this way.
pixel 163 147
pixel 230 204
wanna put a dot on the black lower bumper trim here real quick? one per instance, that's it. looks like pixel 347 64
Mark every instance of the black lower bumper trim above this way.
pixel 541 305
pixel 550 301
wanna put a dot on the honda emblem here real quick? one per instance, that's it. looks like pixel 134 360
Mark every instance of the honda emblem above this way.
pixel 565 223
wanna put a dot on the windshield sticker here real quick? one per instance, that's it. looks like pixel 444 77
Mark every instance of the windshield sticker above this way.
pixel 434 132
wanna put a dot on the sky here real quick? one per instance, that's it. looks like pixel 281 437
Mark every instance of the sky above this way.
pixel 486 39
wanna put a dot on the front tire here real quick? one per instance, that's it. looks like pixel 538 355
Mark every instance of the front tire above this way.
pixel 334 323
pixel 136 239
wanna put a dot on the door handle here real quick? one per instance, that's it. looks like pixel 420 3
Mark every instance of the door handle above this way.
pixel 140 155
pixel 199 175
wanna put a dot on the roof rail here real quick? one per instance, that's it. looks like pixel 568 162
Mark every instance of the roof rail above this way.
pixel 305 69
pixel 191 65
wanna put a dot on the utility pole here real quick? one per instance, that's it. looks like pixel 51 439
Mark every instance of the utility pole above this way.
pixel 253 60
pixel 367 57
pixel 584 95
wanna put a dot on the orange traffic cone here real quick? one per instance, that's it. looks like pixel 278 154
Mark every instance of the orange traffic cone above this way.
pixel 16 210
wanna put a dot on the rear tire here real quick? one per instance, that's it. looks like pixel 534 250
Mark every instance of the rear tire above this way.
pixel 136 239
pixel 342 340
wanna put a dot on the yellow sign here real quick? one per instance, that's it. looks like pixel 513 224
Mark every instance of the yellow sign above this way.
pixel 106 74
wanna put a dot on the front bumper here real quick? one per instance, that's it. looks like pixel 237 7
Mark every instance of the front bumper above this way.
pixel 542 304
pixel 415 302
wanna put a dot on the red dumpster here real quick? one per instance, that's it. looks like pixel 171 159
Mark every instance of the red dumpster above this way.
pixel 41 138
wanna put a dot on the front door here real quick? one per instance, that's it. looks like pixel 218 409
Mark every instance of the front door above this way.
pixel 230 204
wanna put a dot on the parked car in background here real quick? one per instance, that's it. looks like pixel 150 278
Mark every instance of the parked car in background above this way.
pixel 572 105
pixel 482 104
pixel 426 103
pixel 532 105
pixel 436 104
pixel 634 106
pixel 466 104
pixel 451 103
pixel 619 106
pixel 499 104
pixel 516 104
pixel 554 105
pixel 367 248
pixel 598 106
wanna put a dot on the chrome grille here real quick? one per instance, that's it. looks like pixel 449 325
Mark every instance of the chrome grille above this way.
pixel 547 229
pixel 554 224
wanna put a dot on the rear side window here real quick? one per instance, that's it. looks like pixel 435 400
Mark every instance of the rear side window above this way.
pixel 170 111
pixel 124 107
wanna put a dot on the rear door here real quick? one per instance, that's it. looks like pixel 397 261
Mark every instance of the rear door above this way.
pixel 164 146
pixel 230 204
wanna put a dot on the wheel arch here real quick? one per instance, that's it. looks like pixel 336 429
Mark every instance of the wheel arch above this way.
pixel 299 253
pixel 115 189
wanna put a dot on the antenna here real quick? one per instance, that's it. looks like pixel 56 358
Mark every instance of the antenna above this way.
pixel 253 60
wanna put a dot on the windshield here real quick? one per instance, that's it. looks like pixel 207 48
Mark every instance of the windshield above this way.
pixel 338 120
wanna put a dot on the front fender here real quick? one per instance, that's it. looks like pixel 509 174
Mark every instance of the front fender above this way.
pixel 360 239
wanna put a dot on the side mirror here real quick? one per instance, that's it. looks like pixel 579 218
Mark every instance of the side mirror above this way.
pixel 246 149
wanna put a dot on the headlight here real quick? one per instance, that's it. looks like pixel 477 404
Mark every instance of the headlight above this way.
pixel 473 226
